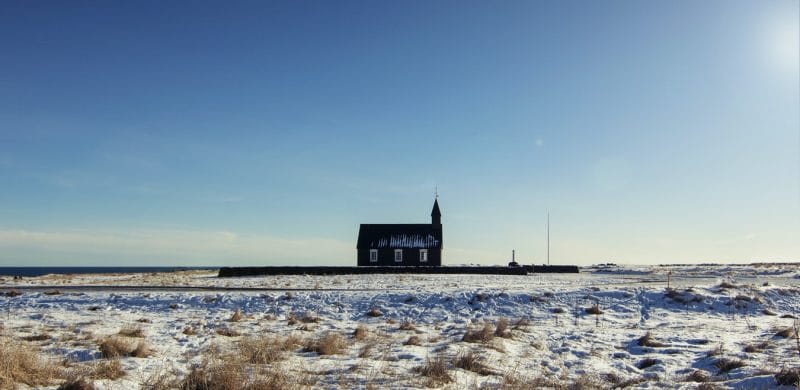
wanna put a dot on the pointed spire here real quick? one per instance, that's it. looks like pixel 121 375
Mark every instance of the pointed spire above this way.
pixel 436 215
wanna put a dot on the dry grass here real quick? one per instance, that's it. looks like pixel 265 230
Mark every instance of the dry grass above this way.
pixel 189 331
pixel 646 362
pixel 76 384
pixel 230 375
pixel 19 363
pixel 107 369
pixel 116 347
pixel 435 370
pixel 595 309
pixel 521 323
pixel 37 337
pixel 408 325
pixel 236 316
pixel 12 293
pixel 360 333
pixel 132 331
pixel 758 347
pixel 52 292
pixel 265 349
pixel 484 334
pixel 374 312
pixel 788 377
pixel 228 332
pixel 470 361
pixel 648 341
pixel 328 344
pixel 785 333
pixel 698 376
pixel 413 340
pixel 501 328
pixel 725 364
pixel 727 284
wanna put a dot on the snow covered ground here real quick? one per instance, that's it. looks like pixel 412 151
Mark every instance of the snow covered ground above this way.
pixel 727 325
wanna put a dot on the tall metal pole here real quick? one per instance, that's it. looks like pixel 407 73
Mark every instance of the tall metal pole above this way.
pixel 548 238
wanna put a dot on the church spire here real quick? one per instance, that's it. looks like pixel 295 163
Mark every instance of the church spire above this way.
pixel 436 215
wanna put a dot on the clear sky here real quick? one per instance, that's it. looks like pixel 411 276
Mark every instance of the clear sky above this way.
pixel 240 133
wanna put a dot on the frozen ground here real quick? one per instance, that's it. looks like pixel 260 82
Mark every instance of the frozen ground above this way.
pixel 711 320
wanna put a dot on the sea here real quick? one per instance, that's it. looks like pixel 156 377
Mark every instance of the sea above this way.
pixel 38 271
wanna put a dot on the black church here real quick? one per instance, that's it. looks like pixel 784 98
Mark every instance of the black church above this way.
pixel 402 245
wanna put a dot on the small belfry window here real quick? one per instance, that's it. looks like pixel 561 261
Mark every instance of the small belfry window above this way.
pixel 423 255
pixel 373 255
pixel 398 255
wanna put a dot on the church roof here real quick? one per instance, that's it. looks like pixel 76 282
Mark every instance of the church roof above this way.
pixel 435 211
pixel 400 236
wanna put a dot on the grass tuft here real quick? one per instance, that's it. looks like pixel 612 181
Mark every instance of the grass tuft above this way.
pixel 648 341
pixel 327 344
pixel 435 370
pixel 484 334
pixel 361 332
pixel 726 364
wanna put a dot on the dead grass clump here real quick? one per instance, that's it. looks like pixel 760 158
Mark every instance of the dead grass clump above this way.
pixel 559 310
pixel 265 349
pixel 521 323
pixel 501 328
pixel 408 325
pixel 594 310
pixel 374 312
pixel 189 331
pixel 727 284
pixel 470 361
pixel 785 333
pixel 328 344
pixel 52 292
pixel 309 317
pixel 107 369
pixel 144 320
pixel 435 370
pixel 725 364
pixel 76 384
pixel 291 320
pixel 236 316
pixel 132 331
pixel 698 376
pixel 648 341
pixel 37 337
pixel 366 350
pixel 228 332
pixel 115 347
pixel 361 332
pixel 788 377
pixel 413 340
pixel 19 363
pixel 646 362
pixel 484 334
pixel 12 293
pixel 759 347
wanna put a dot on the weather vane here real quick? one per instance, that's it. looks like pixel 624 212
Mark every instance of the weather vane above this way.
pixel 436 191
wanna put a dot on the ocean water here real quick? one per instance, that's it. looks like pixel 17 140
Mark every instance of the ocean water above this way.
pixel 38 271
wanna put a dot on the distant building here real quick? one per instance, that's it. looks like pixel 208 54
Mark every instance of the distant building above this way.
pixel 402 244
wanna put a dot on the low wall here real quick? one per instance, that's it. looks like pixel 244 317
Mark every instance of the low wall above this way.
pixel 260 271
pixel 552 269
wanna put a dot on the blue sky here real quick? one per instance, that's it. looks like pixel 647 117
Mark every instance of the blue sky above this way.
pixel 210 133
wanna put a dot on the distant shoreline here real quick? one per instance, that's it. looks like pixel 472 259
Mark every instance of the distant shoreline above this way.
pixel 39 271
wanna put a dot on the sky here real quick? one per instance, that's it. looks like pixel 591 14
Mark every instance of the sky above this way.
pixel 263 133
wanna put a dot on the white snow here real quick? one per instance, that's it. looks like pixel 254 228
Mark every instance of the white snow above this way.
pixel 561 341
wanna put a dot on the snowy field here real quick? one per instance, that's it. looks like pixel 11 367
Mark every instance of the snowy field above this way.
pixel 713 327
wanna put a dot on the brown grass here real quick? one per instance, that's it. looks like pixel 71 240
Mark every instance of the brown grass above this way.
pixel 413 340
pixel 470 361
pixel 19 363
pixel 788 377
pixel 785 333
pixel 236 316
pixel 484 334
pixel 228 332
pixel 76 384
pixel 266 349
pixel 727 284
pixel 107 369
pixel 595 309
pixel 52 292
pixel 328 344
pixel 648 341
pixel 131 331
pixel 374 312
pixel 37 337
pixel 361 332
pixel 758 347
pixel 408 325
pixel 725 364
pixel 116 347
pixel 698 376
pixel 501 328
pixel 435 370
pixel 12 293
pixel 189 331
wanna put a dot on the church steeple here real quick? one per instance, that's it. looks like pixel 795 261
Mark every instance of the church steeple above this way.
pixel 436 215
